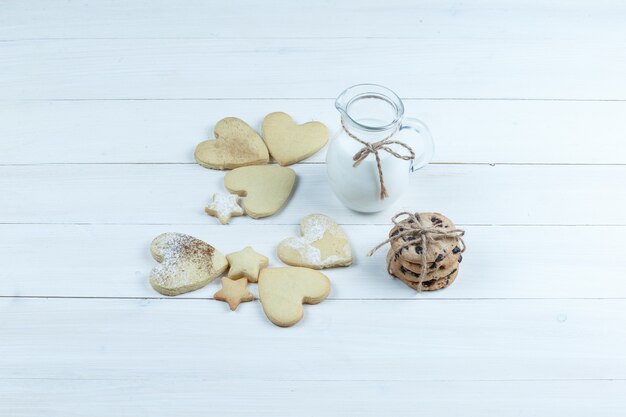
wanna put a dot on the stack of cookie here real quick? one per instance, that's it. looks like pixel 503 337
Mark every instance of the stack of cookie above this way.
pixel 442 255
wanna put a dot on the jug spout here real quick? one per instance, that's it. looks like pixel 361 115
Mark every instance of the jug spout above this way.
pixel 341 103
pixel 370 107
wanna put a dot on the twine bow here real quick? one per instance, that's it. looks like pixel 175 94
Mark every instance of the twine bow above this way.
pixel 412 226
pixel 375 148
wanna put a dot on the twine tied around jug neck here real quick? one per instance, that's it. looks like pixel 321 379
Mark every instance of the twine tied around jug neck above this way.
pixel 375 148
pixel 410 225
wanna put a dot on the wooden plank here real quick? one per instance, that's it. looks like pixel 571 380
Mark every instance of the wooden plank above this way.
pixel 335 341
pixel 177 194
pixel 501 262
pixel 167 131
pixel 365 18
pixel 527 328
pixel 169 397
pixel 309 68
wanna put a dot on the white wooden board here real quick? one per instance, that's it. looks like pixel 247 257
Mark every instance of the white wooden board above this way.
pixel 166 131
pixel 337 340
pixel 535 19
pixel 102 104
pixel 198 397
pixel 501 262
pixel 310 68
pixel 177 194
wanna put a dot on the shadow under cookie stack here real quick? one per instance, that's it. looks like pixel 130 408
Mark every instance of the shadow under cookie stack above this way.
pixel 426 251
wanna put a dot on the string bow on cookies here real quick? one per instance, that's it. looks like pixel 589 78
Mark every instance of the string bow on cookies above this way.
pixel 409 230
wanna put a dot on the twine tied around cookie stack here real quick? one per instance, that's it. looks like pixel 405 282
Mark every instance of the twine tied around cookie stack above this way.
pixel 418 240
pixel 375 148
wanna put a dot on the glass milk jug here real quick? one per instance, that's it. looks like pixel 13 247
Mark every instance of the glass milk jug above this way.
pixel 369 160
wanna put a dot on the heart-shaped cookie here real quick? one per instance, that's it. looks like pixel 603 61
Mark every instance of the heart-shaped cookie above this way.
pixel 185 263
pixel 323 244
pixel 289 142
pixel 264 188
pixel 282 292
pixel 235 145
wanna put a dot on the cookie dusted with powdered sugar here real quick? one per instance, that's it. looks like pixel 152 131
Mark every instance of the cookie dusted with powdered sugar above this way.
pixel 322 244
pixel 185 263
pixel 224 207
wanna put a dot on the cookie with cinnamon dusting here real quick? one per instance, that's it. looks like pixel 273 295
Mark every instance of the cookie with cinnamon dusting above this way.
pixel 185 263
pixel 235 145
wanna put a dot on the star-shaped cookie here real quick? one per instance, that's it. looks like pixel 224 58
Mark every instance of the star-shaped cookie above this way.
pixel 234 292
pixel 246 263
pixel 224 207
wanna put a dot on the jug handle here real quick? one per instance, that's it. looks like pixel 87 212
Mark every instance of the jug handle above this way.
pixel 423 132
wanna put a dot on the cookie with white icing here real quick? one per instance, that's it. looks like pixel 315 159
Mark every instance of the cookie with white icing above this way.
pixel 224 207
pixel 185 263
pixel 322 244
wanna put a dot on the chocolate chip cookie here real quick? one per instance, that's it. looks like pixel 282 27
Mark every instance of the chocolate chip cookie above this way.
pixel 434 271
pixel 437 250
pixel 432 284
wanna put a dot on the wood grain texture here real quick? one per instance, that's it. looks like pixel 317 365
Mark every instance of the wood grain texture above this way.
pixel 310 68
pixel 102 103
pixel 534 19
pixel 336 340
pixel 177 194
pixel 469 131
pixel 501 262
pixel 195 397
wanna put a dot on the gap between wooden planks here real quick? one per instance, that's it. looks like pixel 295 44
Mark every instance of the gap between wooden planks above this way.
pixel 262 68
pixel 52 19
pixel 368 340
pixel 465 131
pixel 177 194
pixel 193 397
pixel 111 261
